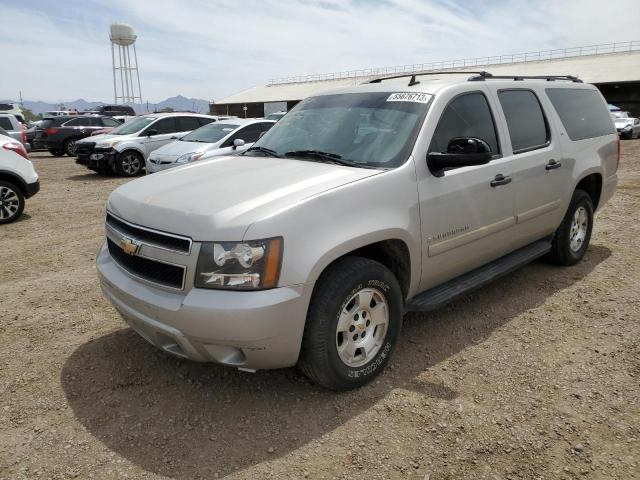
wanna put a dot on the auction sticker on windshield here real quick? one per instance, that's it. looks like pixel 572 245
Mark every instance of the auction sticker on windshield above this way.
pixel 409 97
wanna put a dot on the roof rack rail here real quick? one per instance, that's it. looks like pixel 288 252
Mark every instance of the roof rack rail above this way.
pixel 549 78
pixel 413 80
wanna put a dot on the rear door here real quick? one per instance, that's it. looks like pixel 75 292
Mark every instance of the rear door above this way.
pixel 186 125
pixel 540 174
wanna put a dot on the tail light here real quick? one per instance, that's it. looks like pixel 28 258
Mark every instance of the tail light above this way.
pixel 51 131
pixel 16 147
pixel 24 133
pixel 618 157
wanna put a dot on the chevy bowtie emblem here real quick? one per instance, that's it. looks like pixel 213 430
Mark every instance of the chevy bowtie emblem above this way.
pixel 130 246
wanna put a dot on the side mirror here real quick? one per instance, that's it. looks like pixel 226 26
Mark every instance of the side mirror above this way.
pixel 238 142
pixel 151 132
pixel 461 152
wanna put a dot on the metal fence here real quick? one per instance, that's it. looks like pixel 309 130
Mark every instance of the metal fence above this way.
pixel 600 49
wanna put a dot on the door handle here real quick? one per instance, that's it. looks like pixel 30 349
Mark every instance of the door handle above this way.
pixel 552 165
pixel 500 180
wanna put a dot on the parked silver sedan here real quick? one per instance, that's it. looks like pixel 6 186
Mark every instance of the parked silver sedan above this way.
pixel 226 137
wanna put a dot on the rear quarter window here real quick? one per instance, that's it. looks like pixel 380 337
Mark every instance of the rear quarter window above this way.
pixel 583 112
pixel 6 123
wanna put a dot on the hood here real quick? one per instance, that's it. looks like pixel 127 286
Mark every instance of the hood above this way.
pixel 219 199
pixel 175 149
pixel 101 138
pixel 621 122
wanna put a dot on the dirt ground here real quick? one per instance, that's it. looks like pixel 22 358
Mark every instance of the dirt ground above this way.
pixel 534 377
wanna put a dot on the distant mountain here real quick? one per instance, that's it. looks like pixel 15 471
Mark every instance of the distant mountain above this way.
pixel 178 103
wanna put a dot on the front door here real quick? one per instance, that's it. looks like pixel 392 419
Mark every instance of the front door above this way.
pixel 165 129
pixel 466 213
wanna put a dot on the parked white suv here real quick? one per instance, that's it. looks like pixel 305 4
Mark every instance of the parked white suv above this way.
pixel 358 206
pixel 225 137
pixel 124 150
pixel 18 179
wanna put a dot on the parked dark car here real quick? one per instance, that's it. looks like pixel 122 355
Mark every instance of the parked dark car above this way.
pixel 60 134
pixel 115 110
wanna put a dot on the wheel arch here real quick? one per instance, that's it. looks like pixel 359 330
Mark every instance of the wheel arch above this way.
pixel 392 252
pixel 591 183
pixel 16 180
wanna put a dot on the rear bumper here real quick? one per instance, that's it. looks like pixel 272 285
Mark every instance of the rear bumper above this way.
pixel 32 188
pixel 254 330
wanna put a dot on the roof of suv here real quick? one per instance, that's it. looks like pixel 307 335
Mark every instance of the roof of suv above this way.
pixel 432 82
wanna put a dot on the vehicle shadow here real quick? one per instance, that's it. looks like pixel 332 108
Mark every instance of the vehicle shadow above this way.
pixel 92 176
pixel 188 420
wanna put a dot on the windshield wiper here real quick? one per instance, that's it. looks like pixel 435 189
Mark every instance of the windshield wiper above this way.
pixel 329 157
pixel 266 150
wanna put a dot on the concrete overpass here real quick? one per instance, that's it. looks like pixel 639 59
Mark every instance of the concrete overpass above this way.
pixel 613 67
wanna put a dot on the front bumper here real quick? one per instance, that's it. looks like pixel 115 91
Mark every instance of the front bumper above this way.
pixel 253 330
pixel 153 167
pixel 97 159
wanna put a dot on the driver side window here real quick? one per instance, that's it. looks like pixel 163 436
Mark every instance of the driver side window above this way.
pixel 468 115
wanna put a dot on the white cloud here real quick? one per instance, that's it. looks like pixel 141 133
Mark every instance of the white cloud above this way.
pixel 210 49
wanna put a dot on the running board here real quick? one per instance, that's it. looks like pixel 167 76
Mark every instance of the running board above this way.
pixel 453 289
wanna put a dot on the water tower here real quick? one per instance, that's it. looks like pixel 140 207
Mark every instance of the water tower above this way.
pixel 125 71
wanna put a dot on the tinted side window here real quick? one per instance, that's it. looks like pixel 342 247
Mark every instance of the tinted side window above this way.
pixel 525 119
pixel 249 134
pixel 164 126
pixel 76 122
pixel 205 121
pixel 468 115
pixel 186 124
pixel 6 123
pixel 266 126
pixel 582 112
pixel 109 122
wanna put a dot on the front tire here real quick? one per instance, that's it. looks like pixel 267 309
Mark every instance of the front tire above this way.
pixel 129 164
pixel 571 240
pixel 11 202
pixel 353 324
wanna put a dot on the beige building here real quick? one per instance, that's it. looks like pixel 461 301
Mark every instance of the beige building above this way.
pixel 613 67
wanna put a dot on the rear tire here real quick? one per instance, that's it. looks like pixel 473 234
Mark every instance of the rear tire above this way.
pixel 70 147
pixel 11 202
pixel 353 324
pixel 571 240
pixel 129 164
pixel 56 152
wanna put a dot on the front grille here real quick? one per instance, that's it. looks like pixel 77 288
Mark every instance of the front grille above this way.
pixel 152 270
pixel 84 148
pixel 159 239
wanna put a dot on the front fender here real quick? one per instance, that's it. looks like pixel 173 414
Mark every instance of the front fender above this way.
pixel 322 228
pixel 129 145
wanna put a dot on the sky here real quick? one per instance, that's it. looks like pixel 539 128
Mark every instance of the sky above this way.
pixel 59 50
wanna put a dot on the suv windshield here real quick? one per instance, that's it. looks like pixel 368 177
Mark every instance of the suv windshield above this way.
pixel 375 129
pixel 211 133
pixel 133 126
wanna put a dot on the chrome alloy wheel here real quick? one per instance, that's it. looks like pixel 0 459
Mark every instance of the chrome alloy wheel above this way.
pixel 130 164
pixel 579 228
pixel 9 203
pixel 362 327
pixel 71 148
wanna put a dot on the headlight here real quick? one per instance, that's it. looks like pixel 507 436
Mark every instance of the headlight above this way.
pixel 253 265
pixel 189 157
pixel 107 144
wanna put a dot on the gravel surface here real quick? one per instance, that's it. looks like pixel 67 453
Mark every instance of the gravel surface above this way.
pixel 534 377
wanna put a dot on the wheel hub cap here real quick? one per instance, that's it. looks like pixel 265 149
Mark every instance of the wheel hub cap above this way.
pixel 579 228
pixel 362 327
pixel 9 203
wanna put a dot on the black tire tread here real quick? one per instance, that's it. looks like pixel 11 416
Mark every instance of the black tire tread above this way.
pixel 21 199
pixel 559 253
pixel 313 354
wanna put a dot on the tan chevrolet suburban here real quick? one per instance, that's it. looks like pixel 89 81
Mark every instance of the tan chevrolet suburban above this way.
pixel 361 204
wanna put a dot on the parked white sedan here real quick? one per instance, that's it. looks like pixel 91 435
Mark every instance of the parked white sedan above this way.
pixel 226 137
